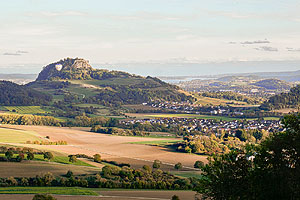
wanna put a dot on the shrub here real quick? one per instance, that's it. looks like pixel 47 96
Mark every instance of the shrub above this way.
pixel 30 156
pixel 198 164
pixel 156 164
pixel 43 197
pixel 48 155
pixel 72 158
pixel 97 158
pixel 178 166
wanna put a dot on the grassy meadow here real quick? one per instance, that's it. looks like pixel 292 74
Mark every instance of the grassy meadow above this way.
pixel 48 190
pixel 25 109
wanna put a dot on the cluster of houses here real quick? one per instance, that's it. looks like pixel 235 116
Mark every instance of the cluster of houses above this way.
pixel 210 125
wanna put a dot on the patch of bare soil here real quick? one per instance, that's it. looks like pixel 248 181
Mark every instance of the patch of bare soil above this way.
pixel 110 147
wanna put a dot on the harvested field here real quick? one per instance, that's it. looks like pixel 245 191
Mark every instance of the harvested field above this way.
pixel 110 147
pixel 113 195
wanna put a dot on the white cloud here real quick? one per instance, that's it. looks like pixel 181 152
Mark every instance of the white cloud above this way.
pixel 266 48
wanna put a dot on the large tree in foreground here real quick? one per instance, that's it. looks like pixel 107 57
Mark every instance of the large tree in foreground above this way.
pixel 268 171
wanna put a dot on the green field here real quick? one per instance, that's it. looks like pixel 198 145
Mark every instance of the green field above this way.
pixel 17 136
pixel 190 116
pixel 26 109
pixel 188 174
pixel 57 159
pixel 265 118
pixel 47 190
pixel 62 160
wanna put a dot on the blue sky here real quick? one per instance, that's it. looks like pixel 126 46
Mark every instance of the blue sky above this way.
pixel 34 33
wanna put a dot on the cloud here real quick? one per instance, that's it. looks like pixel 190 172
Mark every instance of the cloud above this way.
pixel 293 49
pixel 67 13
pixel 229 14
pixel 266 48
pixel 11 54
pixel 257 42
pixel 17 53
pixel 20 51
pixel 147 16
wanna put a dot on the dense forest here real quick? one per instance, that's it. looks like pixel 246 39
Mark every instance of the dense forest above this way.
pixel 14 94
pixel 284 100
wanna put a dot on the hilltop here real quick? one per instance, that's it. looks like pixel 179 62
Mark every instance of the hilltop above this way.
pixel 78 79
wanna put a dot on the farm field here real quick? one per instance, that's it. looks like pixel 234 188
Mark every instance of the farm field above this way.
pixel 115 148
pixel 106 194
pixel 33 168
pixel 8 135
pixel 26 109
pixel 167 115
pixel 215 102
pixel 49 190
pixel 56 159
pixel 157 143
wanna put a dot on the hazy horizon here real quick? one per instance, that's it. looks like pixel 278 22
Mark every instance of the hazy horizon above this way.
pixel 174 69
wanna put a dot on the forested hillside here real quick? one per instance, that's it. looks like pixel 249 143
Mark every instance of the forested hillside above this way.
pixel 284 100
pixel 273 84
pixel 14 94
pixel 77 78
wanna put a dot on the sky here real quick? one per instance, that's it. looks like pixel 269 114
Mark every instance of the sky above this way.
pixel 155 37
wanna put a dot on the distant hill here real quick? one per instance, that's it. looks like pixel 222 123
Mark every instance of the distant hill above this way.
pixel 273 84
pixel 77 78
pixel 284 100
pixel 18 95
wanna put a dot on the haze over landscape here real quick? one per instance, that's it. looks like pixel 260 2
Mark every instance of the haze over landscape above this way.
pixel 149 99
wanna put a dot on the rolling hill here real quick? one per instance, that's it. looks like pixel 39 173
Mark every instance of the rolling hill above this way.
pixel 14 94
pixel 77 80
pixel 273 84
pixel 284 100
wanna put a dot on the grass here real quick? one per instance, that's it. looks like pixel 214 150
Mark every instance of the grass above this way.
pixel 26 109
pixel 62 160
pixel 157 142
pixel 17 136
pixel 57 159
pixel 48 190
pixel 187 174
pixel 214 101
pixel 265 118
pixel 191 116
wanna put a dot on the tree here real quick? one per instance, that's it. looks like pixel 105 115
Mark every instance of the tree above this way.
pixel 270 170
pixel 178 166
pixel 9 154
pixel 69 174
pixel 48 156
pixel 147 168
pixel 20 157
pixel 156 164
pixel 43 197
pixel 97 158
pixel 72 158
pixel 175 197
pixel 198 164
pixel 30 156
